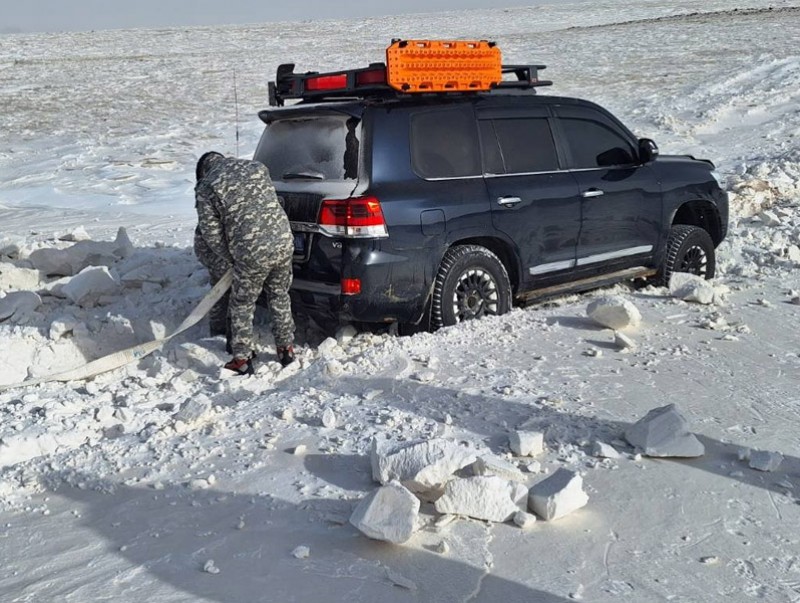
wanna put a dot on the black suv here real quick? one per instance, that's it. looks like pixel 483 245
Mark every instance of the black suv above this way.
pixel 429 209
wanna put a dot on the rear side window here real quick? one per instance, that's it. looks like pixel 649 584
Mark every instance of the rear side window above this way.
pixel 444 144
pixel 594 141
pixel 518 146
pixel 311 148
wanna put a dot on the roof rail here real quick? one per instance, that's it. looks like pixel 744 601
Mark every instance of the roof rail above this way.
pixel 412 67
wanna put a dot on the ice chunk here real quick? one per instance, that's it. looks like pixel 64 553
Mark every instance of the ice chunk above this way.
pixel 329 418
pixel 526 443
pixel 88 286
pixel 389 513
pixel 193 409
pixel 691 288
pixel 623 342
pixel 490 498
pixel 421 466
pixel 664 432
pixel 18 303
pixel 762 460
pixel 614 312
pixel 558 495
pixel 525 520
pixel 604 451
pixel 492 465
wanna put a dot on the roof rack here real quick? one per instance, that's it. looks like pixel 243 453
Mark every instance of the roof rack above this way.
pixel 412 67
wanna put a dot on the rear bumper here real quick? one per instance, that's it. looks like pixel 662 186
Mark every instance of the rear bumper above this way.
pixel 394 288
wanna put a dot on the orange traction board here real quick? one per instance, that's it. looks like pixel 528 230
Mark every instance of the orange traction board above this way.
pixel 443 65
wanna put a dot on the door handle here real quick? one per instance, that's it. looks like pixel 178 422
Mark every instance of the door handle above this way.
pixel 592 192
pixel 508 201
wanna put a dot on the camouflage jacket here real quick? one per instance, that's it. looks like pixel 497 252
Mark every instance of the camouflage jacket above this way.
pixel 238 212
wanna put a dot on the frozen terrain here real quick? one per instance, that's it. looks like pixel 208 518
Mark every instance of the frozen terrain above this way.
pixel 167 481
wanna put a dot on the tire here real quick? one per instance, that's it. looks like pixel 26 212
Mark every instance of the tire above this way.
pixel 689 249
pixel 472 282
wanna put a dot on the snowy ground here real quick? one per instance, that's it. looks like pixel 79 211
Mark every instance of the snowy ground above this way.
pixel 107 491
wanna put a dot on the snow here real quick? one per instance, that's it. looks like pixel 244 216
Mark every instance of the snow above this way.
pixel 168 480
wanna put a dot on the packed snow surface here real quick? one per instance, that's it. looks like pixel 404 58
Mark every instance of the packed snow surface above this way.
pixel 169 480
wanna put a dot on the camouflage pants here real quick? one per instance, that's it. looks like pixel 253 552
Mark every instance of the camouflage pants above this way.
pixel 217 267
pixel 273 277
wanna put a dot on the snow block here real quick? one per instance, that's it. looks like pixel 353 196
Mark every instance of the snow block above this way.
pixel 614 312
pixel 490 498
pixel 389 513
pixel 604 451
pixel 691 288
pixel 663 432
pixel 762 460
pixel 526 443
pixel 623 342
pixel 329 418
pixel 558 495
pixel 190 355
pixel 90 284
pixel 13 278
pixel 492 465
pixel 18 303
pixel 72 260
pixel 193 409
pixel 77 234
pixel 421 466
pixel 525 520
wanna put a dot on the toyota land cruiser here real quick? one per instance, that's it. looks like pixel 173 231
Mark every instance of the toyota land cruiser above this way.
pixel 440 187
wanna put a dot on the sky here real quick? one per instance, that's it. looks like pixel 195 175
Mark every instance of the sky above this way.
pixel 84 15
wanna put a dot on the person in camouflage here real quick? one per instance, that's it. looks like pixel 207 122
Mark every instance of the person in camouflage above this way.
pixel 243 225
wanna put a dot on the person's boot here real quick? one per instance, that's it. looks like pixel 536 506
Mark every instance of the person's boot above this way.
pixel 242 366
pixel 285 355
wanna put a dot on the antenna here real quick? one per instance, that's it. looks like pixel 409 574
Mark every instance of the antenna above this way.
pixel 236 105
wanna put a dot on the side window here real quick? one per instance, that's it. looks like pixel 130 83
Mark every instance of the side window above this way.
pixel 492 156
pixel 523 144
pixel 444 144
pixel 594 144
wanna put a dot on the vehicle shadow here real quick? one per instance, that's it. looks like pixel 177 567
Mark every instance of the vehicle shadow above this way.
pixel 180 537
pixel 493 418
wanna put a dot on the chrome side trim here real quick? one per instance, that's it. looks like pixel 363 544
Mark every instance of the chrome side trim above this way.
pixel 613 255
pixel 591 259
pixel 551 267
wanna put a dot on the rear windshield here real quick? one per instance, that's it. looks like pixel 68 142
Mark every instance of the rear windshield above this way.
pixel 311 148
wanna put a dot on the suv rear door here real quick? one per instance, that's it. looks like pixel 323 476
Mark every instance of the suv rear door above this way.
pixel 533 202
pixel 312 154
pixel 620 197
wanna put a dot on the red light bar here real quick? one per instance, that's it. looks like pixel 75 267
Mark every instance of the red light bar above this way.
pixel 327 82
pixel 371 77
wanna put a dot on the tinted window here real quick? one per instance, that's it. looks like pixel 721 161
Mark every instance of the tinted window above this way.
pixel 314 148
pixel 594 144
pixel 444 144
pixel 521 146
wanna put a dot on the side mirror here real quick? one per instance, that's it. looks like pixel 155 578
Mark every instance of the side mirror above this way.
pixel 648 150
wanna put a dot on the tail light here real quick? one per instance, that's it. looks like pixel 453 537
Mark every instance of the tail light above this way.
pixel 356 218
pixel 351 286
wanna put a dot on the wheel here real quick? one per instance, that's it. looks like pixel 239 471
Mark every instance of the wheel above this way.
pixel 689 249
pixel 471 282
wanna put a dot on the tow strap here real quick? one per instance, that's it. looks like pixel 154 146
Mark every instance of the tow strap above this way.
pixel 137 352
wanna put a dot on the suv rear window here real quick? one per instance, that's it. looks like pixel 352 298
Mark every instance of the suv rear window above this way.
pixel 311 148
pixel 444 144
